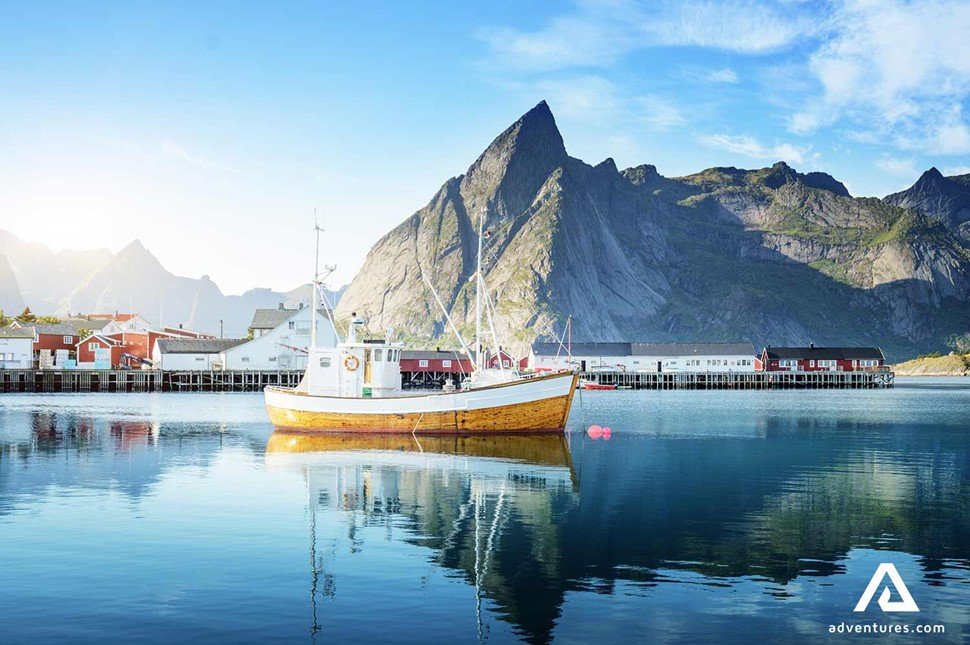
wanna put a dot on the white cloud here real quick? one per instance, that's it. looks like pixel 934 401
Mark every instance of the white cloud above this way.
pixel 949 171
pixel 751 147
pixel 659 114
pixel 599 32
pixel 596 101
pixel 176 151
pixel 591 99
pixel 898 167
pixel 723 75
pixel 899 69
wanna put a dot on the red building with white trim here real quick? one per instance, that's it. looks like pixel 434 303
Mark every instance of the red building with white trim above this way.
pixel 421 367
pixel 504 360
pixel 87 347
pixel 822 359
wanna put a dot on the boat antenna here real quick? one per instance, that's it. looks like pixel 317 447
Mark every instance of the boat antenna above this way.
pixel 317 285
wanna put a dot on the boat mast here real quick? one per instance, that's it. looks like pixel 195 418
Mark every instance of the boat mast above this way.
pixel 478 295
pixel 313 283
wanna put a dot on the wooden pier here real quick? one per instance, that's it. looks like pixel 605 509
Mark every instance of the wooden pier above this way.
pixel 49 381
pixel 743 380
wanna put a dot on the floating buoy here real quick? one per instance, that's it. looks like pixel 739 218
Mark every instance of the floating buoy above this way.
pixel 595 432
pixel 606 432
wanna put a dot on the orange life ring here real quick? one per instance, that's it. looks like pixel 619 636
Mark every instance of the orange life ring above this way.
pixel 351 363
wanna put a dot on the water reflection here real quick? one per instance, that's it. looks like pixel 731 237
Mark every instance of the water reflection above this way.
pixel 684 524
pixel 485 507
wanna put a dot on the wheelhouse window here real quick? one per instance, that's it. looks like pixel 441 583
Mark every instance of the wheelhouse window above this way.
pixel 378 355
pixel 325 361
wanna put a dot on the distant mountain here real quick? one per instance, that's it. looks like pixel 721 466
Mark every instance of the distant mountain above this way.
pixel 131 280
pixel 11 300
pixel 946 199
pixel 770 256
pixel 45 277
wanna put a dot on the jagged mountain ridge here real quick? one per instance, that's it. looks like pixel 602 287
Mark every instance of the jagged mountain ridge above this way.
pixel 946 199
pixel 771 255
pixel 131 280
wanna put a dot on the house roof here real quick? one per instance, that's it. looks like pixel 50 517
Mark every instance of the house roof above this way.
pixel 178 331
pixel 582 349
pixel 111 342
pixel 645 349
pixel 826 353
pixel 57 329
pixel 17 332
pixel 272 318
pixel 693 349
pixel 418 354
pixel 86 323
pixel 111 317
pixel 197 345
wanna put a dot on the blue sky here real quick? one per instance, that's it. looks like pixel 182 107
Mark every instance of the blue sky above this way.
pixel 211 130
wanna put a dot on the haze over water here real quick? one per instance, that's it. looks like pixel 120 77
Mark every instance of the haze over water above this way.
pixel 707 516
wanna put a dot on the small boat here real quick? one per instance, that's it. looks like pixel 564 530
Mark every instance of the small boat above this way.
pixel 593 385
pixel 356 387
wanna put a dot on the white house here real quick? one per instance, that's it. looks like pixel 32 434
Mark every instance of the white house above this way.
pixel 16 348
pixel 191 353
pixel 117 323
pixel 284 346
pixel 266 320
pixel 645 357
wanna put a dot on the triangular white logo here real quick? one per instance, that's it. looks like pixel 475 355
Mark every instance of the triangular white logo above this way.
pixel 906 604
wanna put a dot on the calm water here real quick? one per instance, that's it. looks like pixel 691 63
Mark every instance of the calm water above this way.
pixel 705 517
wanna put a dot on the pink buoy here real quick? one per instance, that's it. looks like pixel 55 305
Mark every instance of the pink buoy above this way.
pixel 606 432
pixel 595 432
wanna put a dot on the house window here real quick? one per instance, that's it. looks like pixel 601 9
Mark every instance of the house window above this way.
pixel 272 359
pixel 92 346
pixel 68 340
pixel 422 363
pixel 303 330
pixel 244 359
pixel 325 361
pixel 446 363
pixel 200 358
pixel 505 364
pixel 292 325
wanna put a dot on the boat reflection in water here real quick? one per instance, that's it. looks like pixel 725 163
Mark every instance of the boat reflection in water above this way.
pixel 478 504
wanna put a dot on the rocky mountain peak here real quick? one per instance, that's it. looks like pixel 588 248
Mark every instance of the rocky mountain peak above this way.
pixel 825 181
pixel 516 164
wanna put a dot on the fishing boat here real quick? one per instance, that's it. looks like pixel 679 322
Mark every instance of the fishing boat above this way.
pixel 356 387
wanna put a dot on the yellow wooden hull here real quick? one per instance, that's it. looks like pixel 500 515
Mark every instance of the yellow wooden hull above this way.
pixel 542 449
pixel 545 412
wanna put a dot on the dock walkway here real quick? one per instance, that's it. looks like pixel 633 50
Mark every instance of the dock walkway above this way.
pixel 743 380
pixel 49 381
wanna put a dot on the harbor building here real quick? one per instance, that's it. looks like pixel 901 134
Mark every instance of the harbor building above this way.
pixel 823 359
pixel 282 347
pixel 16 348
pixel 420 368
pixel 645 357
pixel 191 353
